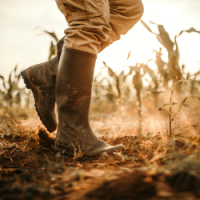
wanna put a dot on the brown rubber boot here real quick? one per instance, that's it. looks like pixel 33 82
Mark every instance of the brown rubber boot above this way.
pixel 41 80
pixel 73 95
pixel 46 84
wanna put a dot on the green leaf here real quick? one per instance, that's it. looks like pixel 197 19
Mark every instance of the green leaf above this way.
pixel 190 30
pixel 167 43
pixel 170 104
pixel 110 72
pixel 194 95
pixel 137 81
pixel 188 126
pixel 176 83
pixel 52 34
pixel 133 68
pixel 1 77
pixel 121 77
pixel 146 26
pixel 138 85
pixel 150 72
pixel 162 109
pixel 52 50
pixel 4 85
pixel 10 79
pixel 18 77
pixel 176 127
pixel 104 63
pixel 177 51
pixel 163 38
pixel 15 69
pixel 129 53
pixel 156 92
pixel 115 90
pixel 180 106
pixel 3 118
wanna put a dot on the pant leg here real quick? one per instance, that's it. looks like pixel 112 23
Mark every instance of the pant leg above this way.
pixel 95 24
pixel 124 14
pixel 88 22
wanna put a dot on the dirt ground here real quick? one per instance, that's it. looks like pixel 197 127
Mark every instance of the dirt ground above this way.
pixel 151 167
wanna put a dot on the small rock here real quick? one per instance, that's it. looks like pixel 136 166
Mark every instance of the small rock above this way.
pixel 17 136
pixel 8 136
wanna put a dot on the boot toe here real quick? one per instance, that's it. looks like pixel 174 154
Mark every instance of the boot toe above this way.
pixel 106 149
pixel 111 149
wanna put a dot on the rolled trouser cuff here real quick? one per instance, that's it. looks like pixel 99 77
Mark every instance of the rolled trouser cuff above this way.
pixel 92 49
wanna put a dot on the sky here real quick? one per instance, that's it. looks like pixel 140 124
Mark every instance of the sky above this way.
pixel 22 41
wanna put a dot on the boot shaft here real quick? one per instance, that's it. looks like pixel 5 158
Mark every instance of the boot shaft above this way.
pixel 73 95
pixel 75 76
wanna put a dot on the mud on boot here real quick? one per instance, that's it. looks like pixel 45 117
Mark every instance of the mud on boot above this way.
pixel 73 95
pixel 41 80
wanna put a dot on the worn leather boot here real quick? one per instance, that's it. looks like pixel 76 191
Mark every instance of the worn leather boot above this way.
pixel 73 95
pixel 41 80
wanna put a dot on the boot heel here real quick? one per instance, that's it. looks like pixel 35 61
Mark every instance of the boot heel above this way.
pixel 26 81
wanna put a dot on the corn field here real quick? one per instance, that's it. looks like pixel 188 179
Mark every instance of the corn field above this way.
pixel 153 113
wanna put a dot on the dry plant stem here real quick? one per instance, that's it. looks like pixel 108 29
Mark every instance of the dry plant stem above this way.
pixel 140 114
pixel 170 122
pixel 9 126
pixel 170 108
pixel 155 100
pixel 170 115
pixel 175 103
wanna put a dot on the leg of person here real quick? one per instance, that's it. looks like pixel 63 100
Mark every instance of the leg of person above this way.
pixel 41 80
pixel 88 27
pixel 73 95
pixel 123 16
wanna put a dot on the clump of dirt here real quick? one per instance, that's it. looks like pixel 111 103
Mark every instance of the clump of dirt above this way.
pixel 185 181
pixel 128 186
pixel 23 184
pixel 45 138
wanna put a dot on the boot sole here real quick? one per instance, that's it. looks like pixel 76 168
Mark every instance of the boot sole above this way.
pixel 69 155
pixel 28 86
pixel 97 155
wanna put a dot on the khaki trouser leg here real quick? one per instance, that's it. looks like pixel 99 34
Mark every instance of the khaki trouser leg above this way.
pixel 95 24
pixel 124 14
pixel 88 22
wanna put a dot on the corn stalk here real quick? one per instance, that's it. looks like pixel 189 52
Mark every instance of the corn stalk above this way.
pixel 180 105
pixel 173 68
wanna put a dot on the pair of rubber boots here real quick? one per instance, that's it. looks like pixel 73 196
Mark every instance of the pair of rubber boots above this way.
pixel 67 79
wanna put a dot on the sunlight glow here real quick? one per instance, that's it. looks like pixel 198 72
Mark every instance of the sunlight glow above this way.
pixel 20 41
